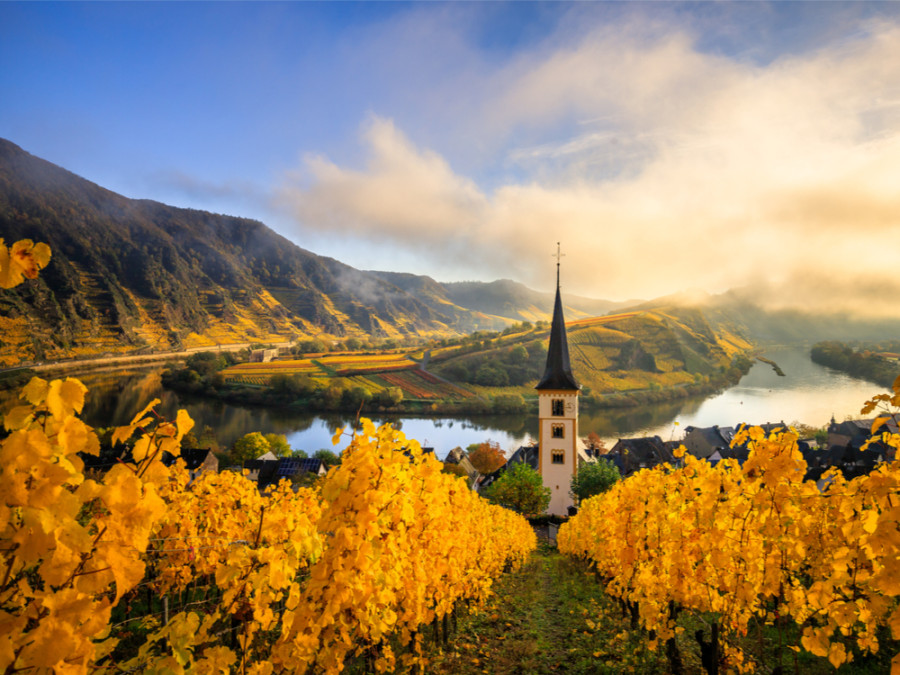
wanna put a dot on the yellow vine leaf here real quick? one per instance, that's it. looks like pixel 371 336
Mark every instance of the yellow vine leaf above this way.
pixel 35 391
pixel 23 260
pixel 18 418
pixel 878 423
pixel 65 397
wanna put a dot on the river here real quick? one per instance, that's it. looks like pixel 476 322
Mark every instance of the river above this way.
pixel 807 393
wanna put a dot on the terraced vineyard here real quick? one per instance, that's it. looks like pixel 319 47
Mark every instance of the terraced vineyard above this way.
pixel 600 320
pixel 424 385
pixel 650 349
pixel 373 372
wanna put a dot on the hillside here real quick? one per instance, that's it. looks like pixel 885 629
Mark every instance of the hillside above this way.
pixel 136 274
pixel 740 309
pixel 646 349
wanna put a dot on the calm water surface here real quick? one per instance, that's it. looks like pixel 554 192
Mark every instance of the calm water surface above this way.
pixel 808 393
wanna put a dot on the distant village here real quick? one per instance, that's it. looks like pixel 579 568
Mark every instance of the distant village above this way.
pixel 843 451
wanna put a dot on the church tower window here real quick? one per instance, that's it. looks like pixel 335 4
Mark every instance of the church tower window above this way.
pixel 558 457
pixel 558 431
pixel 558 407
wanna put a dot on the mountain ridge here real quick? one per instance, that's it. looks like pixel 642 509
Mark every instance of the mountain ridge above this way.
pixel 129 274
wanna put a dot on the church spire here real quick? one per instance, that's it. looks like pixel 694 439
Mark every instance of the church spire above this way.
pixel 558 373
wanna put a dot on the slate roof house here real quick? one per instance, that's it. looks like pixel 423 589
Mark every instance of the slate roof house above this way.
pixel 845 442
pixel 267 472
pixel 704 441
pixel 527 454
pixel 855 432
pixel 458 456
pixel 633 454
pixel 197 460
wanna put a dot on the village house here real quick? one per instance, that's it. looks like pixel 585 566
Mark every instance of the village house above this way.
pixel 702 442
pixel 459 457
pixel 268 470
pixel 846 440
pixel 196 460
pixel 263 355
pixel 633 454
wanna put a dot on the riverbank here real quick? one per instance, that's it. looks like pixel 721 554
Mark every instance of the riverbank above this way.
pixel 869 365
pixel 808 393
pixel 354 400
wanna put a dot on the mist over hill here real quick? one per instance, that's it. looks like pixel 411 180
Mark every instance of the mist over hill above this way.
pixel 128 274
pixel 131 274
pixel 739 309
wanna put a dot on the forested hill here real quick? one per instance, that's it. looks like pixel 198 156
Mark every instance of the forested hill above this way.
pixel 128 273
pixel 648 349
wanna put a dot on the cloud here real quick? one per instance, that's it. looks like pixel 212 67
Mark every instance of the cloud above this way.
pixel 657 165
pixel 403 195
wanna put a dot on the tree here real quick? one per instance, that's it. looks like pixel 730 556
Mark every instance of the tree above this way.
pixel 278 444
pixel 310 346
pixel 389 397
pixel 506 404
pixel 249 446
pixel 205 363
pixel 331 395
pixel 296 384
pixel 593 478
pixel 521 489
pixel 489 376
pixel 518 355
pixel 487 457
pixel 595 444
pixel 356 397
pixel 329 458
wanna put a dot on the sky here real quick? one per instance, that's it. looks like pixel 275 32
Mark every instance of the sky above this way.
pixel 668 147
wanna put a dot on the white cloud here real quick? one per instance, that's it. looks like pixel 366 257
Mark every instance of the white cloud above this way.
pixel 658 166
pixel 402 193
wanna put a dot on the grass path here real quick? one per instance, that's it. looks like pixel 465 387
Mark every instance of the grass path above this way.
pixel 549 617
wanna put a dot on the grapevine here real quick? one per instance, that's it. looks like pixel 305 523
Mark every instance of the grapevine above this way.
pixel 754 543
pixel 295 581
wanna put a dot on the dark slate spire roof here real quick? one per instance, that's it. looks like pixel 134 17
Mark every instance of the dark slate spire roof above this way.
pixel 558 374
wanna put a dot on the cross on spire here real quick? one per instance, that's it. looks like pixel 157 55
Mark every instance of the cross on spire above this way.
pixel 558 374
pixel 558 256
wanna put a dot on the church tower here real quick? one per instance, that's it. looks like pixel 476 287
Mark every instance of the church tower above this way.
pixel 558 414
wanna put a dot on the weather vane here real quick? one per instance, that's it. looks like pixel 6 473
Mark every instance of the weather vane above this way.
pixel 558 256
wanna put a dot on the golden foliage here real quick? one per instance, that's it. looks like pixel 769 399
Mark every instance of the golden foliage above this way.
pixel 71 547
pixel 22 260
pixel 304 579
pixel 754 542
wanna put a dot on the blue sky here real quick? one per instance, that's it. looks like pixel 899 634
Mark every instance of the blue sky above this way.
pixel 668 146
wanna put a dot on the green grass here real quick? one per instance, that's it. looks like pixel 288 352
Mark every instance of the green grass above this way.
pixel 538 623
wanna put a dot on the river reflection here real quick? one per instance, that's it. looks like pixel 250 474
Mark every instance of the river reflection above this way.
pixel 808 393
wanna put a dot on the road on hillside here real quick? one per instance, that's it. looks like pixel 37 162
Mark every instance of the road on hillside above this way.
pixel 126 359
